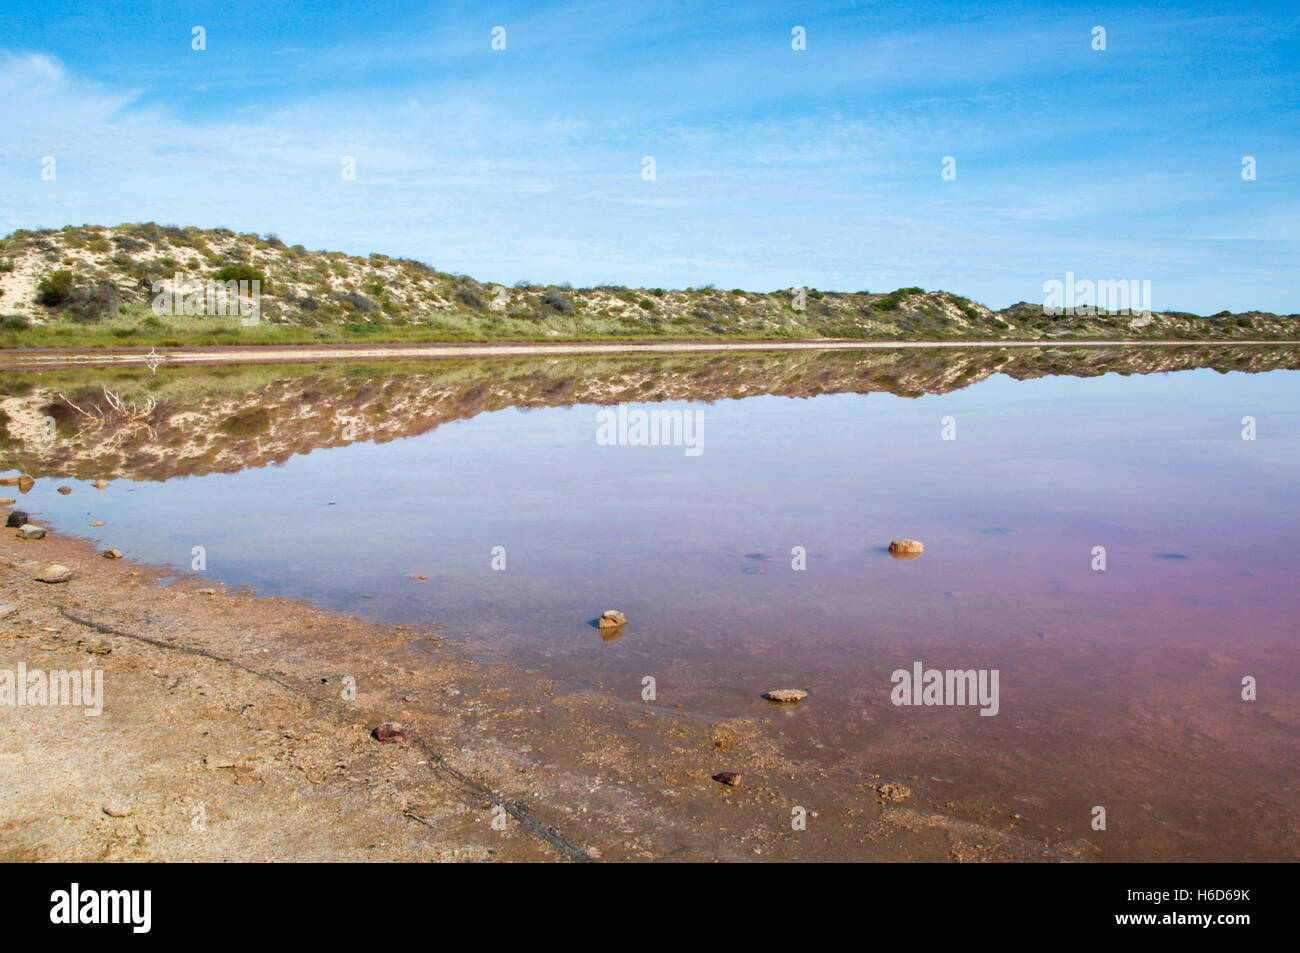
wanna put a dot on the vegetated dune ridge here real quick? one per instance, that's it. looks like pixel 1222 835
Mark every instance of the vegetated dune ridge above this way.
pixel 132 423
pixel 95 285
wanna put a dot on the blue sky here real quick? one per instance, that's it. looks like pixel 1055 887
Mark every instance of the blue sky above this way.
pixel 774 167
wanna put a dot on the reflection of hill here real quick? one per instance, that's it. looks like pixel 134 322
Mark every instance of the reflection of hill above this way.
pixel 224 419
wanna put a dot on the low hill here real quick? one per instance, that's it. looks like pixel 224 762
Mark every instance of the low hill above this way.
pixel 94 285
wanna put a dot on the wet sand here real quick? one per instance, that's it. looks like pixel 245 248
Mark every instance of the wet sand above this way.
pixel 224 736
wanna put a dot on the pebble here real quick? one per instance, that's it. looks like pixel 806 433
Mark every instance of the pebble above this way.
pixel 7 501
pixel 97 523
pixel 54 572
pixel 112 554
pixel 65 490
pixel 390 731
pixel 31 531
pixel 100 484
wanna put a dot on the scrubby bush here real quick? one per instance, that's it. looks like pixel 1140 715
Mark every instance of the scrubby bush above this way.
pixel 13 322
pixel 558 301
pixel 470 297
pixel 355 300
pixel 54 287
pixel 240 273
pixel 92 302
pixel 891 301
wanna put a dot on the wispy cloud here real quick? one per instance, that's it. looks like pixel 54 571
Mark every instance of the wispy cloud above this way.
pixel 774 168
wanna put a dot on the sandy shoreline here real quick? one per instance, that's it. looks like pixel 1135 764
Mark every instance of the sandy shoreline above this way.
pixel 34 358
pixel 224 736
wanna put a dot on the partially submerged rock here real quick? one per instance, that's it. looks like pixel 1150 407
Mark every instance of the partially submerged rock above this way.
pixel 786 695
pixel 25 483
pixel 65 490
pixel 7 501
pixel 100 484
pixel 16 519
pixel 906 548
pixel 112 554
pixel 31 531
pixel 54 572
pixel 611 618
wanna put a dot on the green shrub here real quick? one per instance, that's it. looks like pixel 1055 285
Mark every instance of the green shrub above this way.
pixel 240 273
pixel 54 287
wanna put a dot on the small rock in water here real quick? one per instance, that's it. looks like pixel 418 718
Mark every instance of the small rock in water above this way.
pixel 8 481
pixel 418 576
pixel 100 484
pixel 7 501
pixel 390 731
pixel 112 554
pixel 894 792
pixel 786 695
pixel 610 618
pixel 25 483
pixel 65 490
pixel 31 531
pixel 16 518
pixel 906 548
pixel 730 778
pixel 97 523
pixel 54 572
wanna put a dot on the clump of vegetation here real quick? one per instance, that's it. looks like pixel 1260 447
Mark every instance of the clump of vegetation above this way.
pixel 93 301
pixel 554 298
pixel 358 302
pixel 240 273
pixel 246 423
pixel 891 301
pixel 470 297
pixel 54 288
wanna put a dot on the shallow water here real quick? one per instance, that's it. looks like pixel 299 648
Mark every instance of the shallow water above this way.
pixel 1119 688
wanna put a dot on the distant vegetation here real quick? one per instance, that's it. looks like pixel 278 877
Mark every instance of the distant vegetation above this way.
pixel 90 286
